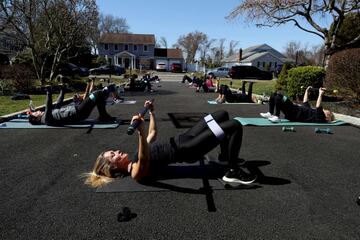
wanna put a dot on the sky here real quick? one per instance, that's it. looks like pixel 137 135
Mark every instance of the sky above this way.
pixel 173 18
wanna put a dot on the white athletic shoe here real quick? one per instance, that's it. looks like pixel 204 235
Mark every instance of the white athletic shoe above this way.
pixel 266 115
pixel 274 119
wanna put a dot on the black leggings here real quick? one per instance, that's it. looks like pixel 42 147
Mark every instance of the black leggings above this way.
pixel 85 108
pixel 277 104
pixel 236 97
pixel 199 140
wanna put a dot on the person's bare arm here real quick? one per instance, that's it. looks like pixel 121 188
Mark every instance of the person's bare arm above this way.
pixel 306 94
pixel 319 100
pixel 140 169
pixel 152 132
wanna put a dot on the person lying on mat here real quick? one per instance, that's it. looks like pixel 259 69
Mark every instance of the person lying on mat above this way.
pixel 227 95
pixel 57 115
pixel 215 129
pixel 298 113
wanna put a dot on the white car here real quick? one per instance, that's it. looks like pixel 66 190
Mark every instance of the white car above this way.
pixel 161 67
pixel 219 72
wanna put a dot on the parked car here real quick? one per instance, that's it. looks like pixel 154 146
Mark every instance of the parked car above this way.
pixel 108 69
pixel 176 67
pixel 239 72
pixel 219 72
pixel 161 67
pixel 70 69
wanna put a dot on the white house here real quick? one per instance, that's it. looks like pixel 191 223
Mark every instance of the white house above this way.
pixel 258 56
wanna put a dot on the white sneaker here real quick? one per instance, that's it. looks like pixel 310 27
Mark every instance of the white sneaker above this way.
pixel 274 119
pixel 266 115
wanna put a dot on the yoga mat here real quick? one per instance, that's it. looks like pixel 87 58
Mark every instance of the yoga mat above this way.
pixel 185 120
pixel 181 177
pixel 283 122
pixel 214 102
pixel 90 123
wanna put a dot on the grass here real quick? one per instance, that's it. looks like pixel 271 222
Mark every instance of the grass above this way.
pixel 8 106
pixel 259 87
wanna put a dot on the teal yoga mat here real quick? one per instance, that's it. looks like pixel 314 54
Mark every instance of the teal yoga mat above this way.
pixel 283 122
pixel 214 102
pixel 90 123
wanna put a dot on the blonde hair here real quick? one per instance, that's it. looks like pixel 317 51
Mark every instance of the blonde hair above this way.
pixel 101 174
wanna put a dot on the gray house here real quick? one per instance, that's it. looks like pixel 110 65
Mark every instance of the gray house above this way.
pixel 258 56
pixel 135 51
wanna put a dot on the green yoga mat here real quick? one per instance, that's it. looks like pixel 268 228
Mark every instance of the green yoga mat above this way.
pixel 283 122
pixel 214 102
pixel 90 123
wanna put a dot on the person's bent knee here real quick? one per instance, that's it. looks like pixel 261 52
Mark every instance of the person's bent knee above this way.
pixel 220 116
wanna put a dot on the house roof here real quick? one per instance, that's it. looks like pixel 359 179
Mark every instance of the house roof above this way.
pixel 127 38
pixel 168 52
pixel 174 53
pixel 251 53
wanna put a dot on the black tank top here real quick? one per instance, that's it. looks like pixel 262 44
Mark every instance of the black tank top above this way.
pixel 161 154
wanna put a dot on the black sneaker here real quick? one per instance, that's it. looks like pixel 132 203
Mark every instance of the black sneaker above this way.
pixel 238 176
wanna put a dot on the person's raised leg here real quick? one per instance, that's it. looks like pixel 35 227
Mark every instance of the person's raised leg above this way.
pixel 218 116
pixel 249 93
pixel 60 99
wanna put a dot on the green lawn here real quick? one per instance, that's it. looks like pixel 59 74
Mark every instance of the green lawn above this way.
pixel 259 87
pixel 8 106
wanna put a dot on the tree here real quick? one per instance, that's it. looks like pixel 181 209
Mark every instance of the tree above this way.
pixel 232 46
pixel 190 44
pixel 205 46
pixel 277 12
pixel 111 24
pixel 163 42
pixel 52 29
pixel 349 29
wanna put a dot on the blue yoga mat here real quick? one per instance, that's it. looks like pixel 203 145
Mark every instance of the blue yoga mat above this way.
pixel 90 123
pixel 283 122
pixel 214 102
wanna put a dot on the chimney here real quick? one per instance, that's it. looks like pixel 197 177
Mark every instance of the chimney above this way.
pixel 240 54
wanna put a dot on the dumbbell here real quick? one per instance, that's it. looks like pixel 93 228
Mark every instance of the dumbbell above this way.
pixel 323 130
pixel 288 129
pixel 335 91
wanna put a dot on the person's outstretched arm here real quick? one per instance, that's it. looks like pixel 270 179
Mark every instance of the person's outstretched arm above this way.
pixel 306 94
pixel 319 100
pixel 140 169
pixel 152 132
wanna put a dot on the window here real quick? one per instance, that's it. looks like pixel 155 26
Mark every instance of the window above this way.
pixel 270 64
pixel 116 47
pixel 106 46
pixel 145 48
pixel 258 64
pixel 135 48
pixel 275 64
pixel 126 47
pixel 263 64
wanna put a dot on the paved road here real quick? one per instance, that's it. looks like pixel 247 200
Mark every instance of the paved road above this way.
pixel 306 189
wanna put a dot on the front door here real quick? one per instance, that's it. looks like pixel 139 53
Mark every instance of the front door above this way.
pixel 127 63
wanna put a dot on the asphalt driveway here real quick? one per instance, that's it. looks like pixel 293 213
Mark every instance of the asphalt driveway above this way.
pixel 307 187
